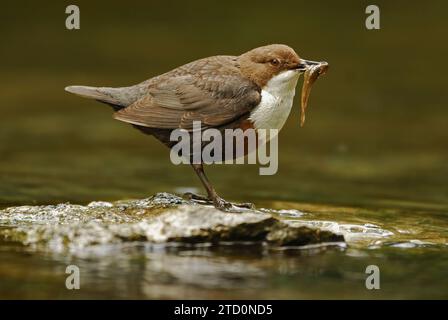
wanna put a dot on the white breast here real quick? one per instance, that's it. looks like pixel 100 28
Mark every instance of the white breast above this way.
pixel 276 101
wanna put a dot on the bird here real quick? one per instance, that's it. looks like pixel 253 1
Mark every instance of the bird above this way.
pixel 253 90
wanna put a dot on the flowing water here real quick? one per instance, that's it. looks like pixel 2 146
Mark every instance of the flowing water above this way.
pixel 372 158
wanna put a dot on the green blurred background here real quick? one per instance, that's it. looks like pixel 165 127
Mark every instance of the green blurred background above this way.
pixel 376 131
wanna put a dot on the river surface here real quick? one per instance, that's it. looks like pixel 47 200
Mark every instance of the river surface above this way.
pixel 374 149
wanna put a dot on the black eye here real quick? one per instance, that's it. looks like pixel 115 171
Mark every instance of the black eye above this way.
pixel 274 62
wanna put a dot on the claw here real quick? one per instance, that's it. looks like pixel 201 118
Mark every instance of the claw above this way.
pixel 226 206
pixel 219 203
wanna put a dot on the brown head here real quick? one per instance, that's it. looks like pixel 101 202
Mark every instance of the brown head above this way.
pixel 261 64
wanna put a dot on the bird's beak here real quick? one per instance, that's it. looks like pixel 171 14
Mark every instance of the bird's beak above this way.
pixel 307 64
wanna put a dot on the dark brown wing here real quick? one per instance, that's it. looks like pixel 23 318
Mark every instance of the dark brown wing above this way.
pixel 176 100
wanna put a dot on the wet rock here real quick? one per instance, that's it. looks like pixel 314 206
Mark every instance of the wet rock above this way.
pixel 193 224
pixel 287 235
pixel 353 233
pixel 163 218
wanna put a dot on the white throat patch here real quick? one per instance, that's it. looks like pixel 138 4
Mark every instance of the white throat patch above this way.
pixel 276 101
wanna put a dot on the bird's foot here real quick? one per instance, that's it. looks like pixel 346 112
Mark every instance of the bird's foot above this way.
pixel 244 205
pixel 218 202
pixel 226 206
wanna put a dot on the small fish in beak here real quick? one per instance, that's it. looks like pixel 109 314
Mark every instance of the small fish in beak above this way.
pixel 313 70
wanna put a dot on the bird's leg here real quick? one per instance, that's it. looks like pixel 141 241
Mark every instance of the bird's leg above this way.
pixel 213 197
pixel 218 202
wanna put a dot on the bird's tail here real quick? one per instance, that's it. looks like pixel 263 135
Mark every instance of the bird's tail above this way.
pixel 118 98
pixel 113 96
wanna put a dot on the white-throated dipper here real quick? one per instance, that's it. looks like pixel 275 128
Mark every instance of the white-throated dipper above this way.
pixel 252 91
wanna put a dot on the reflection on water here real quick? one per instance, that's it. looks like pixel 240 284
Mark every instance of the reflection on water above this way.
pixel 140 271
pixel 375 143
